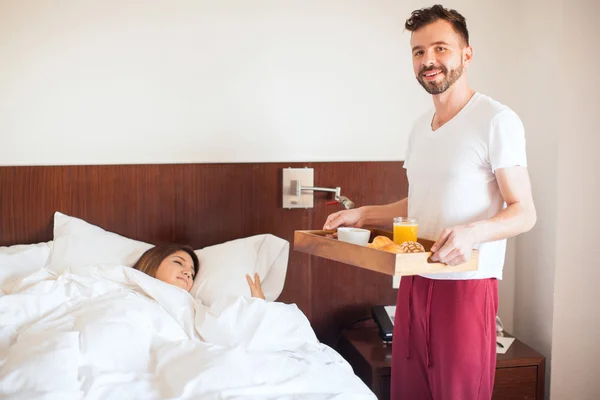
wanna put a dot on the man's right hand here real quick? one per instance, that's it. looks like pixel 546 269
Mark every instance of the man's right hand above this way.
pixel 351 218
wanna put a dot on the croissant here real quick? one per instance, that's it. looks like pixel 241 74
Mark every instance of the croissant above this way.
pixel 379 242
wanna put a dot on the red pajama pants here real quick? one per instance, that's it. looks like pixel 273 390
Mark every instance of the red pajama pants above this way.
pixel 444 342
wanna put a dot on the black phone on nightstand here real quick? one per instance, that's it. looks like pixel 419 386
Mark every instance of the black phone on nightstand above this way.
pixel 384 318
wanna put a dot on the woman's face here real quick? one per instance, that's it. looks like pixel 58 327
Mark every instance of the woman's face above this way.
pixel 177 269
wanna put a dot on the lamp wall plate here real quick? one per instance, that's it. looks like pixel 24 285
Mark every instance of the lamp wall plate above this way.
pixel 304 177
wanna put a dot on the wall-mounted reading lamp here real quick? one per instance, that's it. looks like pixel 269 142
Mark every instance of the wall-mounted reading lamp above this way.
pixel 298 188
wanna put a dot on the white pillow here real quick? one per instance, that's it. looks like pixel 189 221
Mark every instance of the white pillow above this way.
pixel 18 261
pixel 78 243
pixel 223 268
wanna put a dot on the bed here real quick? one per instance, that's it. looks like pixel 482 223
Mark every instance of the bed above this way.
pixel 79 323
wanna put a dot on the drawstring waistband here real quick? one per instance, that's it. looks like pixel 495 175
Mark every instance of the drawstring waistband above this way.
pixel 427 320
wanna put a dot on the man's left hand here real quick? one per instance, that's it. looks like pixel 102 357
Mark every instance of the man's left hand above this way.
pixel 454 246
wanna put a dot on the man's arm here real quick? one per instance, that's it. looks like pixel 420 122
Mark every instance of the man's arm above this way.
pixel 383 215
pixel 454 245
pixel 368 215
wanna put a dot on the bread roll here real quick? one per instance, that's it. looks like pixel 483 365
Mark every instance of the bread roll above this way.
pixel 412 247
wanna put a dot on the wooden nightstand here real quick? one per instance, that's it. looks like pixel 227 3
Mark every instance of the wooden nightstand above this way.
pixel 519 372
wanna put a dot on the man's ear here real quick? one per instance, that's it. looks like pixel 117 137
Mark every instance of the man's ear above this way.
pixel 467 56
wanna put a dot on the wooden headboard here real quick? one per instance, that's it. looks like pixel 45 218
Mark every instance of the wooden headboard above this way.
pixel 205 204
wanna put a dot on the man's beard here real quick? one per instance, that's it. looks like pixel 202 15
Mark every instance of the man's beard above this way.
pixel 437 87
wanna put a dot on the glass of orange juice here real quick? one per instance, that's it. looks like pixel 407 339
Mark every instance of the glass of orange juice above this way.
pixel 405 229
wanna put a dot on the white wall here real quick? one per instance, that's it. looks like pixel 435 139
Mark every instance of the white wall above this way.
pixel 557 264
pixel 203 81
pixel 231 81
pixel 538 53
pixel 576 328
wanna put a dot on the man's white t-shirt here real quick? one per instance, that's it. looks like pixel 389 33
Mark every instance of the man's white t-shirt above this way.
pixel 451 174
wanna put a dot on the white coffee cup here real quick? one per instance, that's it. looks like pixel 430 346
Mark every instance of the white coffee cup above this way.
pixel 354 235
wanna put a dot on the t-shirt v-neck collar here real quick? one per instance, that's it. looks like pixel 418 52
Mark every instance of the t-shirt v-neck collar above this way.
pixel 453 119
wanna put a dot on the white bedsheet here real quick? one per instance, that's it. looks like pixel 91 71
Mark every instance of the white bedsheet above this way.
pixel 111 332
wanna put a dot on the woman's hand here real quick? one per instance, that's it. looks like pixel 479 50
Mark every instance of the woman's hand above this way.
pixel 255 288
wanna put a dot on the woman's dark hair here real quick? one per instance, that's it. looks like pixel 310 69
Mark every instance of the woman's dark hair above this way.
pixel 426 16
pixel 152 258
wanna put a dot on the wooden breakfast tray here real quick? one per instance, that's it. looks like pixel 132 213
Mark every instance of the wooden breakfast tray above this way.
pixel 318 244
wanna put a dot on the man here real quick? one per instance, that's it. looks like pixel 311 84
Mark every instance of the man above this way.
pixel 469 188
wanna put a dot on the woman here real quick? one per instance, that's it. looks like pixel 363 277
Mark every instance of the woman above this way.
pixel 178 265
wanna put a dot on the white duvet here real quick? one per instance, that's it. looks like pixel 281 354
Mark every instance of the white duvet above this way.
pixel 111 332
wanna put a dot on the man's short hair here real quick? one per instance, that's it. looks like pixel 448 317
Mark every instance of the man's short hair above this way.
pixel 426 16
